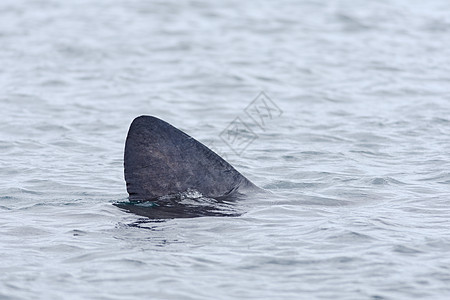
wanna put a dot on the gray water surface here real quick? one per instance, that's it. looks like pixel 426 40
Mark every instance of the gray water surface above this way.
pixel 357 163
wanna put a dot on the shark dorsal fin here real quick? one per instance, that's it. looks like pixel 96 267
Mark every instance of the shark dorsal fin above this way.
pixel 162 160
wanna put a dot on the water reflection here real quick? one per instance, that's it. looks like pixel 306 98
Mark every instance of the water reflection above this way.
pixel 178 206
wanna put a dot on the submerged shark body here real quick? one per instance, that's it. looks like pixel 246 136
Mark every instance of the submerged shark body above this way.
pixel 166 166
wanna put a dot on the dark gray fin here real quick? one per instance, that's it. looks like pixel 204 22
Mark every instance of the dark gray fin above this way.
pixel 162 160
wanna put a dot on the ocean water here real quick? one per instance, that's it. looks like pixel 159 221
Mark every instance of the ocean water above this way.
pixel 352 144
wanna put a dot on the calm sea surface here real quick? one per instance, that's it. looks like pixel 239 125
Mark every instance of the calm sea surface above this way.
pixel 358 162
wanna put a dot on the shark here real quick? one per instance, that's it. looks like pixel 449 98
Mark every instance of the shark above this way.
pixel 169 174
